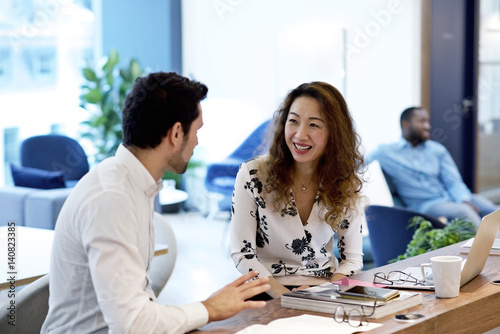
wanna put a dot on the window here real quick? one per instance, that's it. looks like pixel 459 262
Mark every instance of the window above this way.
pixel 43 46
pixel 11 150
pixel 44 66
pixel 5 66
pixel 489 95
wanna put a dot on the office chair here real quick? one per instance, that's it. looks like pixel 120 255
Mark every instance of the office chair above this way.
pixel 389 233
pixel 32 306
pixel 163 265
pixel 221 176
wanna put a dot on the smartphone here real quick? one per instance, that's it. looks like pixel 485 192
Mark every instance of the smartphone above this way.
pixel 365 292
pixel 408 317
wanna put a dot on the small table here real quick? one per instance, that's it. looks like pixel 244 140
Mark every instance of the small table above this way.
pixel 171 199
pixel 32 255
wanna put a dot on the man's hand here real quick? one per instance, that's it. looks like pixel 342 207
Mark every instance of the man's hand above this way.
pixel 232 298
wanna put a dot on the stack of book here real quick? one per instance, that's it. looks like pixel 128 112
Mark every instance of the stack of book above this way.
pixel 495 249
pixel 326 297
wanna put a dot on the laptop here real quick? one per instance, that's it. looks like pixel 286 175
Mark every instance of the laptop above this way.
pixel 474 264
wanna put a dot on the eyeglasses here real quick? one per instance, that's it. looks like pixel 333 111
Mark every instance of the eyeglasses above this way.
pixel 355 317
pixel 396 277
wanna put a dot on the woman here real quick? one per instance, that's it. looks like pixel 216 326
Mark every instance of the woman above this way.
pixel 288 204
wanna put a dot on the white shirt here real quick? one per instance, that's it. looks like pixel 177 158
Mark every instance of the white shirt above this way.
pixel 102 251
pixel 276 243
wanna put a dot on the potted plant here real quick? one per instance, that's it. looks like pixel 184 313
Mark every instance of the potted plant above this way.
pixel 103 95
pixel 426 238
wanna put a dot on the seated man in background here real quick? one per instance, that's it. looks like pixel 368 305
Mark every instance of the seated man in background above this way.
pixel 104 237
pixel 425 175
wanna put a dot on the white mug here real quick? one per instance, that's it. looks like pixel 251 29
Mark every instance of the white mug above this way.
pixel 446 272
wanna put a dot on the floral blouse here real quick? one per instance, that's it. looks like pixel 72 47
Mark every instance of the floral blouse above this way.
pixel 276 243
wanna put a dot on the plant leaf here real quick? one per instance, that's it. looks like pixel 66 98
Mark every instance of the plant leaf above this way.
pixel 92 96
pixel 89 74
pixel 112 61
pixel 125 74
pixel 135 69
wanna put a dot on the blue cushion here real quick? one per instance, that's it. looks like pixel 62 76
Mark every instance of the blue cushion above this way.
pixel 37 178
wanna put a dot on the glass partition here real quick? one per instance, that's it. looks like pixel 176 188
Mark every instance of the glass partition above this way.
pixel 489 96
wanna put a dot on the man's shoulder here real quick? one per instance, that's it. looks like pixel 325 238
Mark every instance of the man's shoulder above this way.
pixel 435 144
pixel 106 177
pixel 435 148
pixel 383 151
pixel 389 146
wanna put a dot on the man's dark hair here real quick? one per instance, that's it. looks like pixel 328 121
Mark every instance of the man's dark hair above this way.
pixel 407 114
pixel 155 103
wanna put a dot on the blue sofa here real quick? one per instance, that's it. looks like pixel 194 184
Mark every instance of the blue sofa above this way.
pixel 35 207
pixel 50 167
pixel 31 207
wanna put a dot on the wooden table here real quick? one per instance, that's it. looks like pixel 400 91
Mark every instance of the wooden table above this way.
pixel 475 310
pixel 32 255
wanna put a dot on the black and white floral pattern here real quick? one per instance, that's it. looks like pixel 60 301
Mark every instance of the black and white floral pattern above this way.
pixel 277 243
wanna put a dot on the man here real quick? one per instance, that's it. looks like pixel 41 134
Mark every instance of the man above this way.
pixel 425 175
pixel 104 238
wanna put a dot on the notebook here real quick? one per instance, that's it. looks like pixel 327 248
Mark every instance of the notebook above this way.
pixel 495 249
pixel 474 264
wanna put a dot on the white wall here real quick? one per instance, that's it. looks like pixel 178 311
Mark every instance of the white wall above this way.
pixel 236 48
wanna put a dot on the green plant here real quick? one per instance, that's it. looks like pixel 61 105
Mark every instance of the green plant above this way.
pixel 426 238
pixel 103 95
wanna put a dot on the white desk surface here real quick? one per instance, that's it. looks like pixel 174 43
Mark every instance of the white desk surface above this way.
pixel 32 255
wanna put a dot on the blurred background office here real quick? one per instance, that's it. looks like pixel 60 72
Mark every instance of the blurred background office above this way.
pixel 383 55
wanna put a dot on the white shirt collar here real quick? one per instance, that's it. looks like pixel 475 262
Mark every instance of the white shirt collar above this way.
pixel 130 161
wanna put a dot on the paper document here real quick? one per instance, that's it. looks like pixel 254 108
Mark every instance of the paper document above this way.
pixel 495 249
pixel 306 323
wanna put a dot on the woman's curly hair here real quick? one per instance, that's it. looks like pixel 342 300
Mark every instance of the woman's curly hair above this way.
pixel 339 170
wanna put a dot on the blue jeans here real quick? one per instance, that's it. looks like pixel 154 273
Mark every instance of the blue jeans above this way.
pixel 452 210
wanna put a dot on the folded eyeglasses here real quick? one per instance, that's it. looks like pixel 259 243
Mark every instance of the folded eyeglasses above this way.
pixel 355 317
pixel 396 277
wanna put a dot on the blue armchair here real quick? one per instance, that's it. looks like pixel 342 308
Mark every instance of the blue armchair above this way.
pixel 389 233
pixel 55 153
pixel 221 176
pixel 51 166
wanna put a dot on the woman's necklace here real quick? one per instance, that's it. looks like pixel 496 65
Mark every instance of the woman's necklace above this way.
pixel 304 187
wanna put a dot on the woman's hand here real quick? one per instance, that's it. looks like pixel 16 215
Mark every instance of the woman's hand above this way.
pixel 277 289
pixel 337 277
